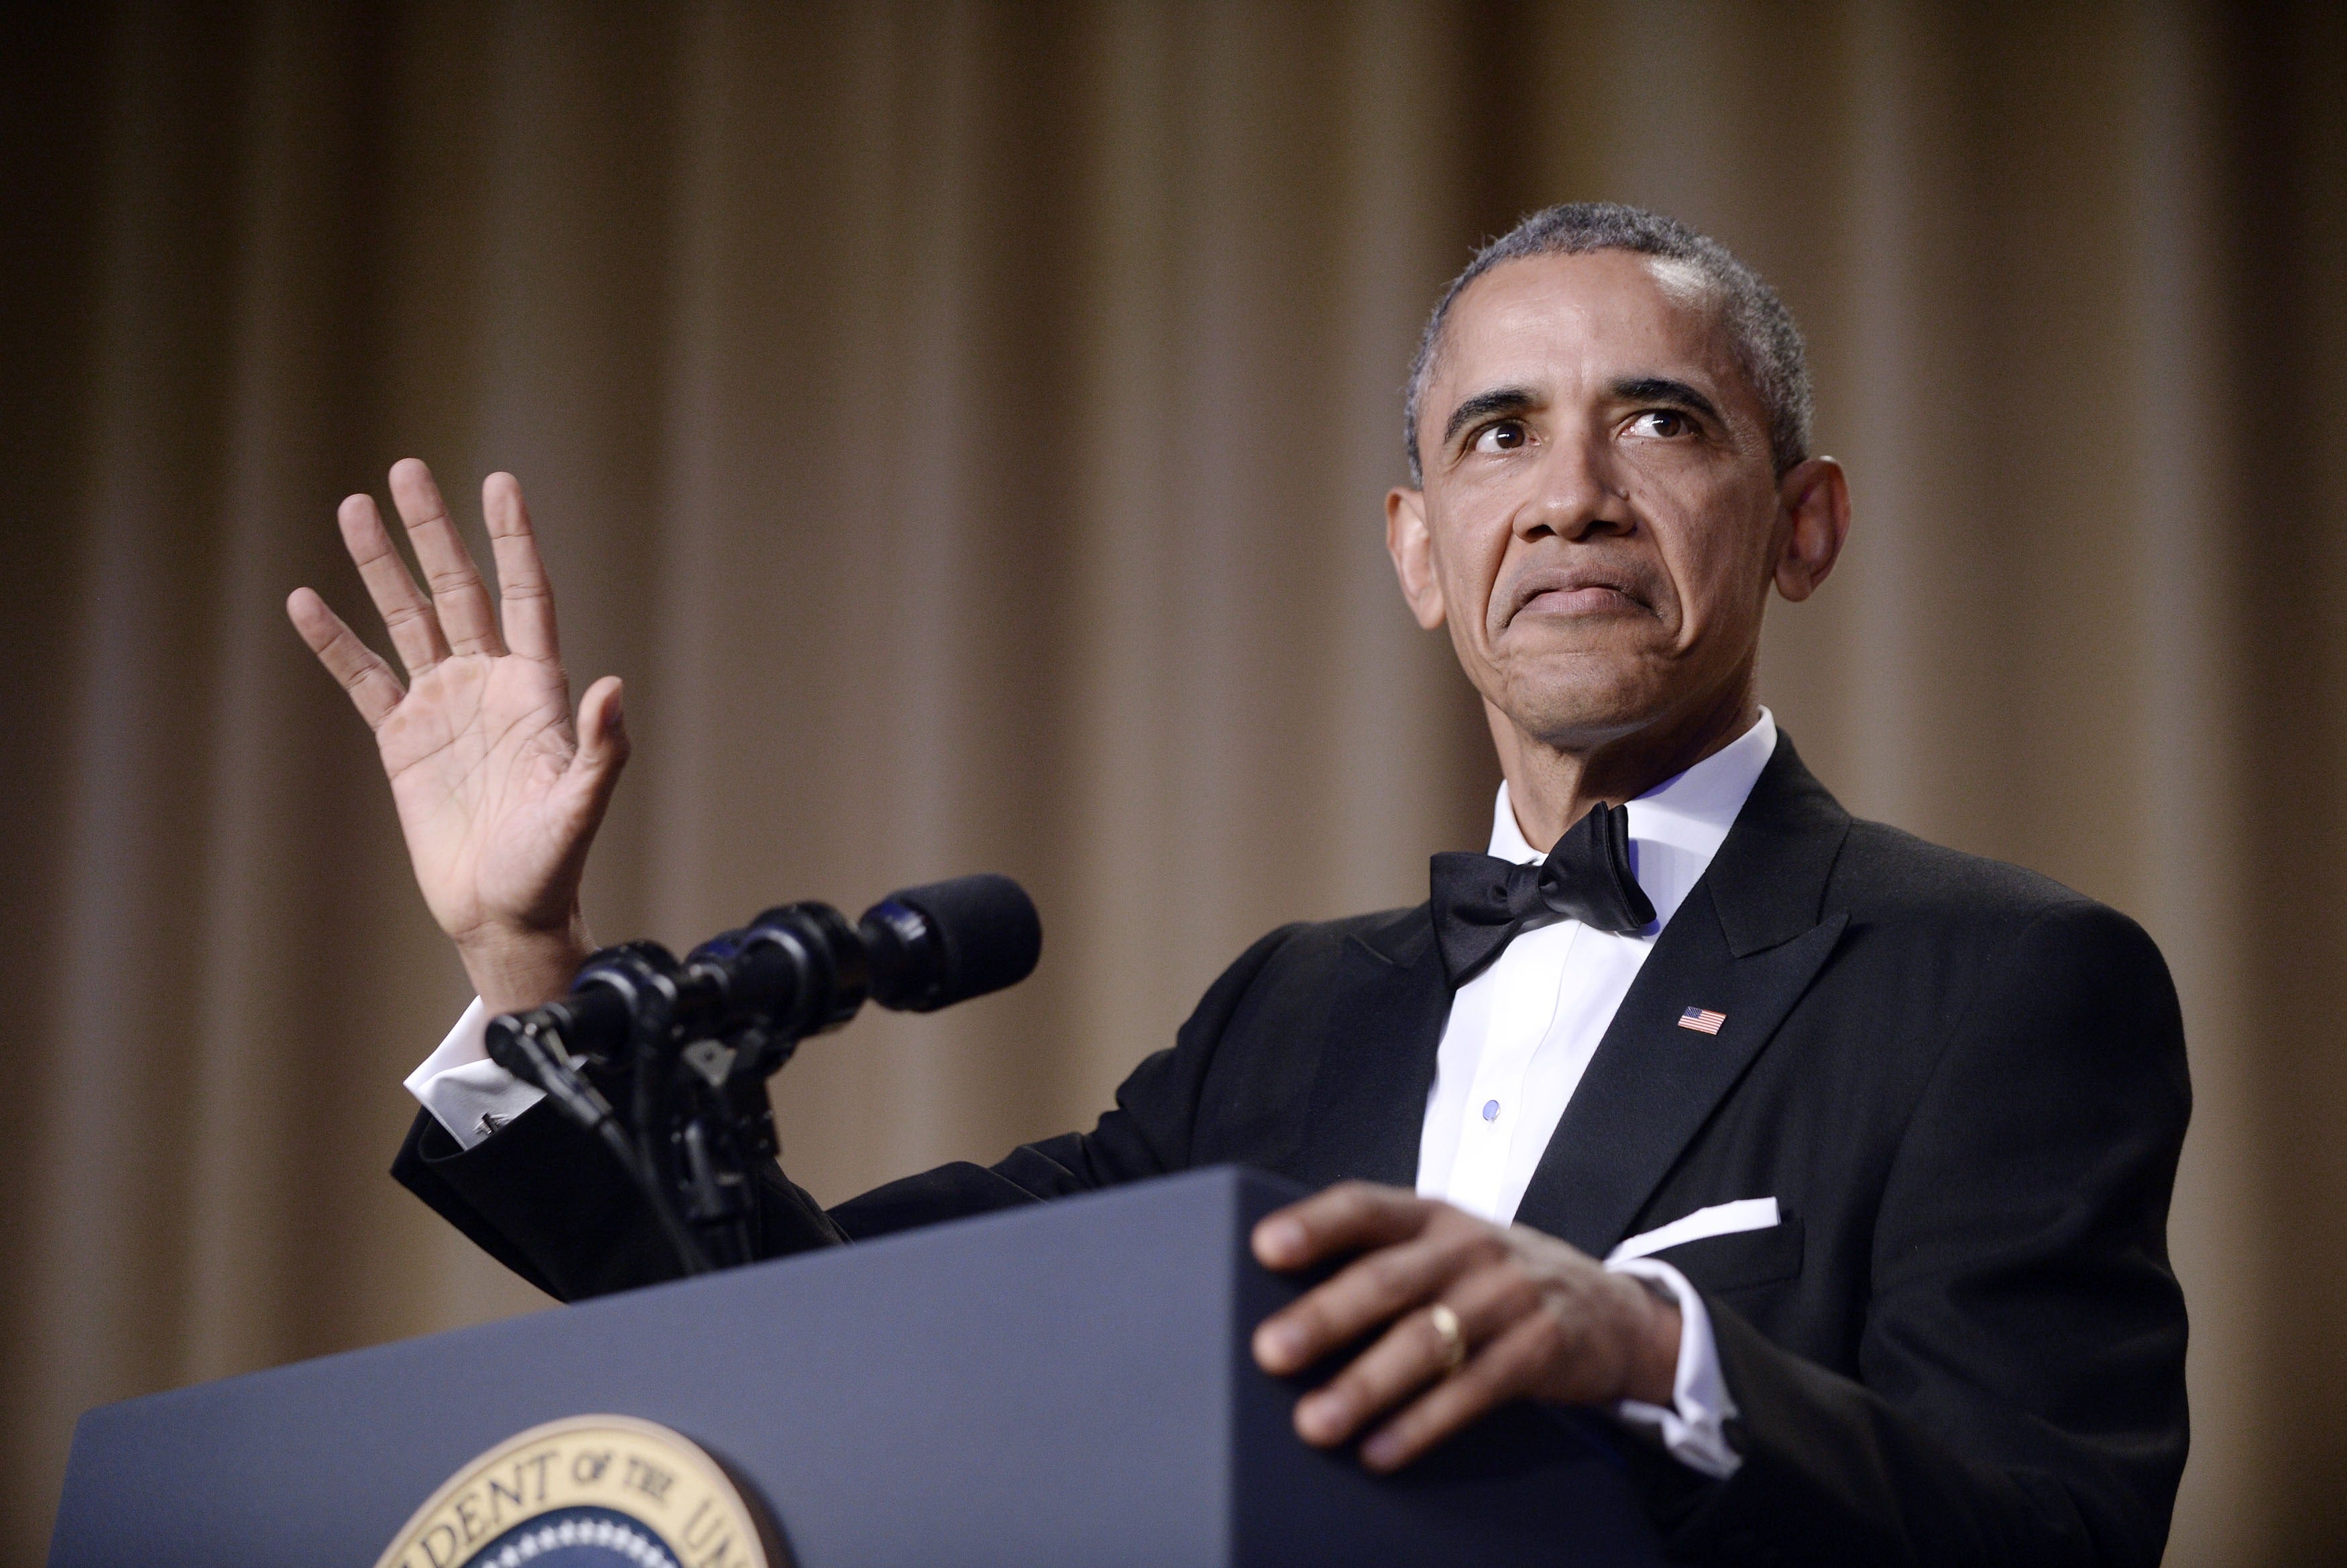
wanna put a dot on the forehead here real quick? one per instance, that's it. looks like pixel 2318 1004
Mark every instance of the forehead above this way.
pixel 1599 316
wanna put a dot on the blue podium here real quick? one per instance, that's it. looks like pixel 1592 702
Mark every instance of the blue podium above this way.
pixel 1065 1384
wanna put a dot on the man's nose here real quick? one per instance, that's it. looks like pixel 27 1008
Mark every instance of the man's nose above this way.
pixel 1577 494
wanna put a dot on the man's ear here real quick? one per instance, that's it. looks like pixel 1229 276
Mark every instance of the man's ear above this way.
pixel 1815 496
pixel 1412 549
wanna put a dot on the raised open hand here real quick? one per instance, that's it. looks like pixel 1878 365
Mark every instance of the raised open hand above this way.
pixel 499 793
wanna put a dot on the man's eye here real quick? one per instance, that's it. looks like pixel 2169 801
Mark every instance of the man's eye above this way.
pixel 1662 424
pixel 1507 435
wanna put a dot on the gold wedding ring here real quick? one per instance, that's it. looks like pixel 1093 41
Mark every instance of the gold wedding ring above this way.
pixel 1453 1337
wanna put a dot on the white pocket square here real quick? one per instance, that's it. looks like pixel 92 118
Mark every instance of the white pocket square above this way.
pixel 1720 1219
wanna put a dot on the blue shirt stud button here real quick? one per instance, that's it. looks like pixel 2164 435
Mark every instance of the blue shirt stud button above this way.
pixel 1490 1110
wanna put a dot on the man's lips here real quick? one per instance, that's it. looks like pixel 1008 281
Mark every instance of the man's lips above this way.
pixel 1597 599
pixel 1582 592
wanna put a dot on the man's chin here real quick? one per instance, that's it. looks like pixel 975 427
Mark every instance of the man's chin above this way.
pixel 1575 711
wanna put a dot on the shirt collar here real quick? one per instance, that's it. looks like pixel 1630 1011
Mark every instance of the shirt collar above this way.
pixel 1677 827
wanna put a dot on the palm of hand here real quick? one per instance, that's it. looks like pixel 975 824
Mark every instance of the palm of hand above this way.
pixel 478 753
pixel 499 795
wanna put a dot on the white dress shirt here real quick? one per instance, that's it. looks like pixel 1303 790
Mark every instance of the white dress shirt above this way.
pixel 1522 1032
pixel 465 1092
pixel 1519 1037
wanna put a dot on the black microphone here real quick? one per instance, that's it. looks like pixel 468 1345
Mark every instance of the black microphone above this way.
pixel 930 947
pixel 796 969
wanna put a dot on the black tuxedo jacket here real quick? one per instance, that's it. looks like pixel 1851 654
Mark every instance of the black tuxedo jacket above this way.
pixel 1963 1083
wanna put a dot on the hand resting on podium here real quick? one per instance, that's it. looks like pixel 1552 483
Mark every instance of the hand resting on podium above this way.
pixel 1478 1316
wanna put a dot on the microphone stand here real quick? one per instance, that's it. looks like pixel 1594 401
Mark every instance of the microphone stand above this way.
pixel 698 1040
pixel 536 1054
pixel 728 1129
pixel 698 1117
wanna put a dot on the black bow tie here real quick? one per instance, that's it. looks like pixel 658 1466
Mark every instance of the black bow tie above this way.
pixel 1482 903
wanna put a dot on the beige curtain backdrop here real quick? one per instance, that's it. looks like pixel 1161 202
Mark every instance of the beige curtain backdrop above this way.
pixel 965 427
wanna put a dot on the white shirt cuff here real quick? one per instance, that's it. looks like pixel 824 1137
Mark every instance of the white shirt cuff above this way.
pixel 465 1092
pixel 1694 1427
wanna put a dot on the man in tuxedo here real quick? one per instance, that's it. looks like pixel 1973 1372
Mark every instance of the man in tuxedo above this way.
pixel 1835 1165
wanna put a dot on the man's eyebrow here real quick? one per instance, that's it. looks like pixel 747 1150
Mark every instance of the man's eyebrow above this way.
pixel 1662 389
pixel 1483 405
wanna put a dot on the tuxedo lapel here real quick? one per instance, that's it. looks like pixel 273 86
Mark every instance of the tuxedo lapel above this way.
pixel 1746 944
pixel 1377 1059
pixel 1653 1084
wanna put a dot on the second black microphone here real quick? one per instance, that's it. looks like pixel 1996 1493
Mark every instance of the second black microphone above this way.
pixel 797 970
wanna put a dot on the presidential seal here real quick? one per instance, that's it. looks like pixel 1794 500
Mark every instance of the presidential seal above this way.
pixel 589 1492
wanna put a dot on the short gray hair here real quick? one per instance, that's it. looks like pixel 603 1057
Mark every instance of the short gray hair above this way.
pixel 1766 342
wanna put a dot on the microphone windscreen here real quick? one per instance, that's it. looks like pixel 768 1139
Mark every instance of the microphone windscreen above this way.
pixel 984 935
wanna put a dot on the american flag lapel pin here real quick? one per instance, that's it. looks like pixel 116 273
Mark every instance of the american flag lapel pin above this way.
pixel 1701 1021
